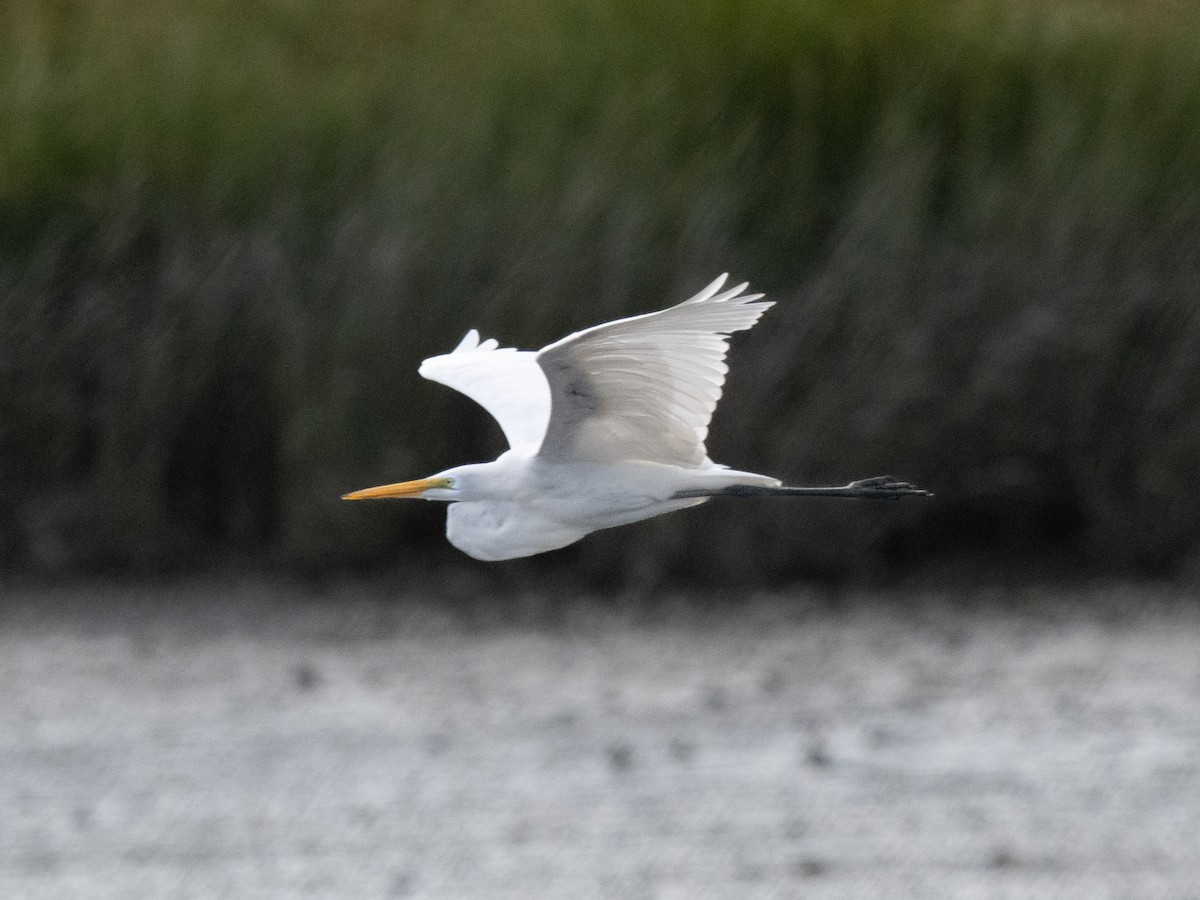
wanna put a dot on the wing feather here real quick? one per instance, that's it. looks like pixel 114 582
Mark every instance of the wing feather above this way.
pixel 508 383
pixel 644 387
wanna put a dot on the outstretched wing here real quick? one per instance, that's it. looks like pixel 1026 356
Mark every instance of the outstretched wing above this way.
pixel 508 383
pixel 644 387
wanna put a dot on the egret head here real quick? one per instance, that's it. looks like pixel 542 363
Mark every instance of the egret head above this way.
pixel 437 487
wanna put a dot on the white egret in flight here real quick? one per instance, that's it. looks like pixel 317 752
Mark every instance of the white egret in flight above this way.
pixel 605 427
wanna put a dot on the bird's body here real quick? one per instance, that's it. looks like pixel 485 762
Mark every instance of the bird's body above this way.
pixel 546 504
pixel 606 427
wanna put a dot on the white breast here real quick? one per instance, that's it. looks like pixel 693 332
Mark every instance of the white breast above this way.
pixel 496 529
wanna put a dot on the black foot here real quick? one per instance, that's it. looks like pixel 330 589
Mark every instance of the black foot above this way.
pixel 884 487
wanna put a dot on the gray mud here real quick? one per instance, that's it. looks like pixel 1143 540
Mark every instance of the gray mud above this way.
pixel 259 739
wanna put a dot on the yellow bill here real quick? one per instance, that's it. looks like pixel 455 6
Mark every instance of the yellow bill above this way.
pixel 400 489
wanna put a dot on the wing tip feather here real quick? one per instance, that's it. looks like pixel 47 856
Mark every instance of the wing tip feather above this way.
pixel 714 294
pixel 469 342
pixel 709 291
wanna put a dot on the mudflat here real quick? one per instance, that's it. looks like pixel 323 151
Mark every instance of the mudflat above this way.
pixel 256 737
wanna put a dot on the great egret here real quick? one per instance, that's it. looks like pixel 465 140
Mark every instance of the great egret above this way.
pixel 605 427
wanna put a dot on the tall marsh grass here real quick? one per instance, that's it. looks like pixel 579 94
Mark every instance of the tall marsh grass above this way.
pixel 229 232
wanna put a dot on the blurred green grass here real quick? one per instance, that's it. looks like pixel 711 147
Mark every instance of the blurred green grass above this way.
pixel 230 231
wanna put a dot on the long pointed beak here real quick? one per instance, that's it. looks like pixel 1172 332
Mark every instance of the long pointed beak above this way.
pixel 400 489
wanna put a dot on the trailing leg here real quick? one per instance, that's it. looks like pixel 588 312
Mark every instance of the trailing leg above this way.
pixel 882 487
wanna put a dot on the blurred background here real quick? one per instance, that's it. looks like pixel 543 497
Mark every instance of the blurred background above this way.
pixel 230 232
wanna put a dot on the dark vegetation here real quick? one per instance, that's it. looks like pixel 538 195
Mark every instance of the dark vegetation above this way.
pixel 230 231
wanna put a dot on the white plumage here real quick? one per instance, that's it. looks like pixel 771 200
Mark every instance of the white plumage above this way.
pixel 605 427
pixel 507 383
pixel 642 388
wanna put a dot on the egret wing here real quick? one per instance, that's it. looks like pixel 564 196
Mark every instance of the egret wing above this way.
pixel 508 383
pixel 644 387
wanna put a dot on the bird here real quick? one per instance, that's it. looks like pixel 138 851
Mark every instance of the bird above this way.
pixel 605 427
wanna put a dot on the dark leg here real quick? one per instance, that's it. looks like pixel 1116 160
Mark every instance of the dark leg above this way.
pixel 883 487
